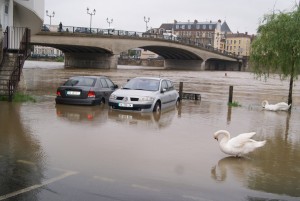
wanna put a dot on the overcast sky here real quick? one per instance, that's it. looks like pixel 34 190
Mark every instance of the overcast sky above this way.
pixel 240 15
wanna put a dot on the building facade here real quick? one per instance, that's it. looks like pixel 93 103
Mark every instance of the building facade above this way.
pixel 41 51
pixel 22 13
pixel 238 43
pixel 205 33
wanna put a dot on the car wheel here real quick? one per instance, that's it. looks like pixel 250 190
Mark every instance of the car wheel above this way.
pixel 157 108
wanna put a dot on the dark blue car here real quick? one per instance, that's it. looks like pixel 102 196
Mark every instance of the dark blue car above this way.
pixel 85 90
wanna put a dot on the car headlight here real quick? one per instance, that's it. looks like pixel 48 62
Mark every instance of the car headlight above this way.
pixel 113 97
pixel 147 98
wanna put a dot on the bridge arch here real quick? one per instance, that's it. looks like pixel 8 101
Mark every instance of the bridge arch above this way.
pixel 100 51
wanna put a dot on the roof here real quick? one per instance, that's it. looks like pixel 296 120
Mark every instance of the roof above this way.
pixel 225 28
pixel 204 26
pixel 239 35
pixel 167 26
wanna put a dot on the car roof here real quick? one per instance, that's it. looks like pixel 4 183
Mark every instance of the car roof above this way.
pixel 153 78
pixel 90 76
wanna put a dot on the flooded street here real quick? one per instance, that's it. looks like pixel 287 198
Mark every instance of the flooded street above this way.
pixel 63 152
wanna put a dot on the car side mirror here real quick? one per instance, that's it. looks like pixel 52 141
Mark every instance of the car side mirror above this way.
pixel 116 86
pixel 163 90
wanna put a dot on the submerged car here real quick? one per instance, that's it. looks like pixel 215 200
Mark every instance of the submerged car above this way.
pixel 145 94
pixel 85 90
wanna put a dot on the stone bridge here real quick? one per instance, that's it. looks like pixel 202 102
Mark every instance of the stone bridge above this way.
pixel 102 51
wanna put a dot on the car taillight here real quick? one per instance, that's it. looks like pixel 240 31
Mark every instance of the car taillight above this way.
pixel 91 94
pixel 58 93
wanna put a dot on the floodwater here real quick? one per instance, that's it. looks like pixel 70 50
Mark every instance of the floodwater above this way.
pixel 62 152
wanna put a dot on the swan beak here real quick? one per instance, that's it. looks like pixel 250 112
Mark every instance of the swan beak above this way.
pixel 216 138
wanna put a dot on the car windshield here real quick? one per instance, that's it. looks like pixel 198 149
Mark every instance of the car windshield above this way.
pixel 81 81
pixel 142 84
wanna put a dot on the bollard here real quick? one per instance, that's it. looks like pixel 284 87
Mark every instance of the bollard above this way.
pixel 180 90
pixel 230 94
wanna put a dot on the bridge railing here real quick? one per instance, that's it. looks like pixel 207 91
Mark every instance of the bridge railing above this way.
pixel 135 34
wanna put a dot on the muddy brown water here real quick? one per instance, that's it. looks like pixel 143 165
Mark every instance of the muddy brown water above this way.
pixel 61 152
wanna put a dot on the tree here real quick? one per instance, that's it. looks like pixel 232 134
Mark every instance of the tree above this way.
pixel 276 48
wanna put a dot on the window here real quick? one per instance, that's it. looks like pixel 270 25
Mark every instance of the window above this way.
pixel 110 84
pixel 164 85
pixel 204 26
pixel 104 83
pixel 197 26
pixel 210 26
pixel 189 26
pixel 170 85
pixel 6 9
pixel 177 26
pixel 183 26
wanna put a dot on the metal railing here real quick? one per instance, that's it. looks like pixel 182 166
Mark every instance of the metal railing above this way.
pixel 16 40
pixel 122 33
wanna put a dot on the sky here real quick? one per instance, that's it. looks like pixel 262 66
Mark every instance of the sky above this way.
pixel 240 15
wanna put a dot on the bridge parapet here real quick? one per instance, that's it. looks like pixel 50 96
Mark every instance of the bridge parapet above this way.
pixel 114 33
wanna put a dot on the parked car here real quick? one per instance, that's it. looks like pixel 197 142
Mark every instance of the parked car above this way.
pixel 145 94
pixel 85 90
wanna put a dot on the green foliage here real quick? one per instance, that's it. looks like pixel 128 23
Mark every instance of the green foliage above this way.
pixel 276 48
pixel 19 97
pixel 234 104
pixel 59 59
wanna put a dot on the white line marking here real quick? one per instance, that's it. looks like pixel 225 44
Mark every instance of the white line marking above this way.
pixel 49 181
pixel 106 179
pixel 194 198
pixel 26 162
pixel 144 187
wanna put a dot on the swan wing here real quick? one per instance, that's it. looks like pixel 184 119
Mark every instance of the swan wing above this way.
pixel 240 140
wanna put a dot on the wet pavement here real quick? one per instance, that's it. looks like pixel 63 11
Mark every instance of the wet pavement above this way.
pixel 63 152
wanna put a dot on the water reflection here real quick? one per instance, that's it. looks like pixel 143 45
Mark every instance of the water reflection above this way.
pixel 153 120
pixel 234 166
pixel 273 168
pixel 21 157
pixel 282 161
pixel 75 113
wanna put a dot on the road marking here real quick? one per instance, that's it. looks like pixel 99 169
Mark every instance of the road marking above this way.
pixel 49 181
pixel 144 187
pixel 106 179
pixel 194 198
pixel 26 162
pixel 66 173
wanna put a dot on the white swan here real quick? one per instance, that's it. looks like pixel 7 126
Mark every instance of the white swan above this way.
pixel 239 145
pixel 275 107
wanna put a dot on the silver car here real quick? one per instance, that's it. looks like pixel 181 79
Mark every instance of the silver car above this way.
pixel 145 94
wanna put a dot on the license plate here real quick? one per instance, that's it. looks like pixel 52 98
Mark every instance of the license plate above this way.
pixel 125 105
pixel 73 93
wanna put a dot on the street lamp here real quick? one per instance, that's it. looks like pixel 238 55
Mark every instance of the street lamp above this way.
pixel 146 20
pixel 91 14
pixel 109 22
pixel 53 13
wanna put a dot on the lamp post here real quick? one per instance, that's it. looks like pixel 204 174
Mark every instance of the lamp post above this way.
pixel 146 20
pixel 109 22
pixel 50 16
pixel 91 14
